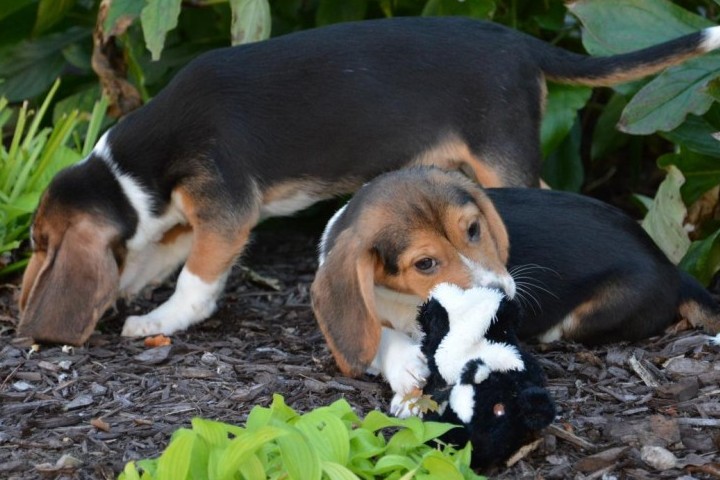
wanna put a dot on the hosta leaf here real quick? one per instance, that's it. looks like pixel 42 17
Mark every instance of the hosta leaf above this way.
pixel 335 471
pixel 174 463
pixel 436 429
pixel 664 221
pixel 702 259
pixel 470 8
pixel 563 102
pixel 393 463
pixel 300 461
pixel 440 467
pixel 664 103
pixel 697 135
pixel 327 434
pixel 49 13
pixel 700 171
pixel 251 21
pixel 332 11
pixel 618 26
pixel 158 18
pixel 244 446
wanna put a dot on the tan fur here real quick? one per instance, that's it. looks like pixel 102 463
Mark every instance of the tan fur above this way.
pixel 699 316
pixel 216 243
pixel 72 277
pixel 172 235
pixel 454 154
pixel 350 325
pixel 428 224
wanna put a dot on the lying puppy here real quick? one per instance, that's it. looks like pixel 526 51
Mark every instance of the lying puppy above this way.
pixel 269 128
pixel 479 377
pixel 581 269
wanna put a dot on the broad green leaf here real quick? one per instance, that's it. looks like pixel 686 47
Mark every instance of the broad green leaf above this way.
pixel 49 13
pixel 403 441
pixel 300 461
pixel 253 468
pixel 7 8
pixel 332 11
pixel 696 134
pixel 713 89
pixel 251 21
pixel 258 417
pixel 394 463
pixel 365 444
pixel 342 409
pixel 700 171
pixel 563 169
pixel 30 67
pixel 563 102
pixel 376 420
pixel 436 429
pixel 158 17
pixel 664 221
pixel 664 103
pixel 484 9
pixel 606 137
pixel 440 467
pixel 214 433
pixel 129 472
pixel 281 411
pixel 327 434
pixel 174 463
pixel 335 471
pixel 702 259
pixel 619 26
pixel 244 446
pixel 122 11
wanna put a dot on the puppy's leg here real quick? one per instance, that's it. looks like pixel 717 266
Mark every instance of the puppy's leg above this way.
pixel 156 262
pixel 218 238
pixel 403 365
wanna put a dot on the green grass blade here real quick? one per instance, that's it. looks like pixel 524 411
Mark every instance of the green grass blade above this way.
pixel 93 130
pixel 41 114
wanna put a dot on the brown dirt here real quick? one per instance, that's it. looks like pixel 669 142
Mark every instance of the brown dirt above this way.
pixel 115 400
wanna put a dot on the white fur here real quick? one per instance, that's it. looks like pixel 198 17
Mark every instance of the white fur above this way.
pixel 193 301
pixel 483 277
pixel 462 401
pixel 711 39
pixel 714 340
pixel 398 309
pixel 558 331
pixel 470 314
pixel 288 206
pixel 404 367
pixel 322 249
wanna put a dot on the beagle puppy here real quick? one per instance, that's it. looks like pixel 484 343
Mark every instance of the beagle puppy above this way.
pixel 577 269
pixel 269 128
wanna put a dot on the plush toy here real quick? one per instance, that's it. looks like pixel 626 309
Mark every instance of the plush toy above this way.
pixel 479 377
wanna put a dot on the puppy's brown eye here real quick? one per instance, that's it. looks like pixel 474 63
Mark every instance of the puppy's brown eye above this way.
pixel 498 409
pixel 426 265
pixel 474 232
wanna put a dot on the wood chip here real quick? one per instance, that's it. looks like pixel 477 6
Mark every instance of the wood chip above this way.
pixel 570 437
pixel 600 460
pixel 643 373
pixel 523 452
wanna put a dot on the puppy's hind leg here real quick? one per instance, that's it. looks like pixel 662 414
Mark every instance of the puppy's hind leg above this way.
pixel 218 240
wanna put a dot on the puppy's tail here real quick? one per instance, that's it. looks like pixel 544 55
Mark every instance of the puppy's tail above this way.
pixel 566 67
pixel 697 305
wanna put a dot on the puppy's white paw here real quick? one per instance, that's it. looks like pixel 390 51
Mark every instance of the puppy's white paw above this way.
pixel 142 326
pixel 403 406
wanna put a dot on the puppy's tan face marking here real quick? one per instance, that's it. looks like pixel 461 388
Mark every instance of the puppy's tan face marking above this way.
pixel 461 248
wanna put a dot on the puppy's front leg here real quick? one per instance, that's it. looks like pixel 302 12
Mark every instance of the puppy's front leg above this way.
pixel 201 281
pixel 403 365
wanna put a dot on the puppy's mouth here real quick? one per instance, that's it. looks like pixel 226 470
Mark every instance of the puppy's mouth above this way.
pixel 482 277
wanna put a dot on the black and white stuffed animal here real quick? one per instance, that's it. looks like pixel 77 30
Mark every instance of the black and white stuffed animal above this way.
pixel 478 375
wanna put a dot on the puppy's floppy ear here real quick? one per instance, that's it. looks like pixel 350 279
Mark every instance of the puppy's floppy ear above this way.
pixel 343 300
pixel 497 227
pixel 67 288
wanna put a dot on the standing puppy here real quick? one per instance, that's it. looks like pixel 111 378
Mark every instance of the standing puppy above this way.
pixel 269 128
pixel 583 270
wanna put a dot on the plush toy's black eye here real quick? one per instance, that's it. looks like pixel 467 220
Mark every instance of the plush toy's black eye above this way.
pixel 474 232
pixel 426 265
pixel 498 409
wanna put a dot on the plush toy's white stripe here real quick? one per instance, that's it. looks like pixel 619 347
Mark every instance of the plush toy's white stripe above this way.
pixel 711 39
pixel 462 402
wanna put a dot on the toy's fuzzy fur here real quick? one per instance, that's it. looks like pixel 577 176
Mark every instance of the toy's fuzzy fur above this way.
pixel 479 377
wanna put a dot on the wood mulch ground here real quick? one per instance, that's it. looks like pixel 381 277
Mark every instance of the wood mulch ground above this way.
pixel 644 410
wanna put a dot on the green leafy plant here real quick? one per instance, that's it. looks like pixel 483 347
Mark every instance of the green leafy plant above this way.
pixel 31 158
pixel 329 442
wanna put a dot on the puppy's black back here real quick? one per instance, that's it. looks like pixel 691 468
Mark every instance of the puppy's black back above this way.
pixel 570 250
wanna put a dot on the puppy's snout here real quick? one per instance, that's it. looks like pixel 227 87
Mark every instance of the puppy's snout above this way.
pixel 504 283
pixel 483 277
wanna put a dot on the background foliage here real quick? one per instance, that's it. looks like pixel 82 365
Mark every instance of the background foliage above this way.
pixel 666 123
